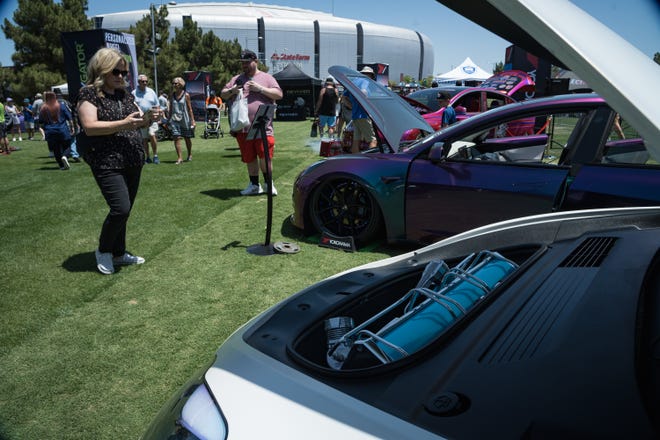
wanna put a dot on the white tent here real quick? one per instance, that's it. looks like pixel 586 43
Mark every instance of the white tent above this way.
pixel 64 88
pixel 467 71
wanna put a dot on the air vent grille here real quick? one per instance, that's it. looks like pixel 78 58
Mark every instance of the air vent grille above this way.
pixel 590 253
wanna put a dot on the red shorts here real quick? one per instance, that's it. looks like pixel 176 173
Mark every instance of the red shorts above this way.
pixel 253 148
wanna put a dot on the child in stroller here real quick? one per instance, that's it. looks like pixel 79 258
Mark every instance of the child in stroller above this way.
pixel 212 117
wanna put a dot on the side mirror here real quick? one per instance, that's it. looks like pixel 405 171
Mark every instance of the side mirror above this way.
pixel 437 152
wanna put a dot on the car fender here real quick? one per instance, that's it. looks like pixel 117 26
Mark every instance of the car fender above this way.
pixel 384 179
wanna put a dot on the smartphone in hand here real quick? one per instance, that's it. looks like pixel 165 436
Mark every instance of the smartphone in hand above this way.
pixel 148 116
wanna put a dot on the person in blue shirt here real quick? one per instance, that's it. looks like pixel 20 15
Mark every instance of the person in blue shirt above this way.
pixel 28 118
pixel 56 121
pixel 449 115
pixel 146 99
pixel 363 130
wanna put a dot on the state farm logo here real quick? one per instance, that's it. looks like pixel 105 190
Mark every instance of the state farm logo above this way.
pixel 469 69
pixel 289 57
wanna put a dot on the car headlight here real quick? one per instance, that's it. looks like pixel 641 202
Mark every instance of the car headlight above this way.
pixel 191 414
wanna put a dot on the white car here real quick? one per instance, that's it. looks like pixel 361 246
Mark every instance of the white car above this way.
pixel 539 327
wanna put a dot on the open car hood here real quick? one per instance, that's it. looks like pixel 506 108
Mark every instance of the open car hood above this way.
pixel 567 36
pixel 391 114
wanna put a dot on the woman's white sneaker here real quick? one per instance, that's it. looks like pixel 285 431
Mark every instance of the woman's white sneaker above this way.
pixel 127 259
pixel 104 262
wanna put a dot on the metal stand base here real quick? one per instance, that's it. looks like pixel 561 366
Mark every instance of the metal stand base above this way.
pixel 281 247
pixel 261 249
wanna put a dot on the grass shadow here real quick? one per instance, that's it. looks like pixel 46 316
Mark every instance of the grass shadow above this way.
pixel 222 194
pixel 232 245
pixel 84 262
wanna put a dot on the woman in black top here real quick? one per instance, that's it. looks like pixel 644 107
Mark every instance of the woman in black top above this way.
pixel 112 146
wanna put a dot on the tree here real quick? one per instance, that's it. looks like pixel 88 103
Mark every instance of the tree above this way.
pixel 656 57
pixel 206 52
pixel 144 45
pixel 39 59
pixel 499 67
pixel 189 50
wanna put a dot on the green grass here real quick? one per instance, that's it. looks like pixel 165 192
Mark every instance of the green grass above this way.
pixel 87 356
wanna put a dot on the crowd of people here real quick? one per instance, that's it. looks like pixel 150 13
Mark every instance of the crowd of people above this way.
pixel 115 131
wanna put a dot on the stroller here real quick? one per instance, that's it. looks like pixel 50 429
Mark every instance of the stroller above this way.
pixel 164 133
pixel 212 122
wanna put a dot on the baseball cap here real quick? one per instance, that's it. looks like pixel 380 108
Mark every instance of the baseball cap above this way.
pixel 330 80
pixel 9 99
pixel 248 55
pixel 26 100
pixel 38 95
pixel 367 70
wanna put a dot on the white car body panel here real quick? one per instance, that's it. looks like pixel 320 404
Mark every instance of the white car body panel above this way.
pixel 249 379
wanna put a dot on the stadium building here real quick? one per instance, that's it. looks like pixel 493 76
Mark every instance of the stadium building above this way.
pixel 311 40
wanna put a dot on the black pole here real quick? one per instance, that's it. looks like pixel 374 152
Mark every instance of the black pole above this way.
pixel 258 128
pixel 269 182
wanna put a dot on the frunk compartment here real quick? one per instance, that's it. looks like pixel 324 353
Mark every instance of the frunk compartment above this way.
pixel 394 320
pixel 311 346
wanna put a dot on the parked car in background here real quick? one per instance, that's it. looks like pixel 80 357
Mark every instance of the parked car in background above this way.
pixel 500 89
pixel 538 327
pixel 429 97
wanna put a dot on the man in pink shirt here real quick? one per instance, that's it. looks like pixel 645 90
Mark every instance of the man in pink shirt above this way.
pixel 259 88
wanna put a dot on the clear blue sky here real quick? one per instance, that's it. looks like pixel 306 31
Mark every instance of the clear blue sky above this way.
pixel 454 38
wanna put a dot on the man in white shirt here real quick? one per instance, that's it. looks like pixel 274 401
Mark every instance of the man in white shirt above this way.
pixel 146 99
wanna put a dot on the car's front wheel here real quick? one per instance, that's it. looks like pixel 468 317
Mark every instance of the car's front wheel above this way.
pixel 344 207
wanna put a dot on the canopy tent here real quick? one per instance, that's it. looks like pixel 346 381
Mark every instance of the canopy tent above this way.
pixel 297 87
pixel 63 89
pixel 467 71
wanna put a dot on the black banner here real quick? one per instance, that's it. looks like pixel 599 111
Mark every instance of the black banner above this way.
pixel 536 67
pixel 198 85
pixel 80 46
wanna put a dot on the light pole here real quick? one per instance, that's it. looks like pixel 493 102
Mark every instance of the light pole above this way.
pixel 154 49
pixel 152 7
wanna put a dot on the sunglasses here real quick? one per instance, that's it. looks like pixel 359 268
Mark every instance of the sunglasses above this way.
pixel 142 81
pixel 116 72
pixel 176 84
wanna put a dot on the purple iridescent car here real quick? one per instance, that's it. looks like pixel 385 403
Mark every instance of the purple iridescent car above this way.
pixel 473 173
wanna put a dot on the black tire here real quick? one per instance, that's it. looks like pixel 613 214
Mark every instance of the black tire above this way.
pixel 344 207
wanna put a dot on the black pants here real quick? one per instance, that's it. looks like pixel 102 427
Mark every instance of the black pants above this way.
pixel 119 187
pixel 58 147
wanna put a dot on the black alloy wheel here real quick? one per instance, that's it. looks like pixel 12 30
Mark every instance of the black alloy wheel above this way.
pixel 344 207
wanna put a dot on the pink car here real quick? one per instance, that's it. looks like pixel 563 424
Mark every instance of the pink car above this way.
pixel 497 90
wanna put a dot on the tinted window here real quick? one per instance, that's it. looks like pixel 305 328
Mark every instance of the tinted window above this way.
pixel 540 139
